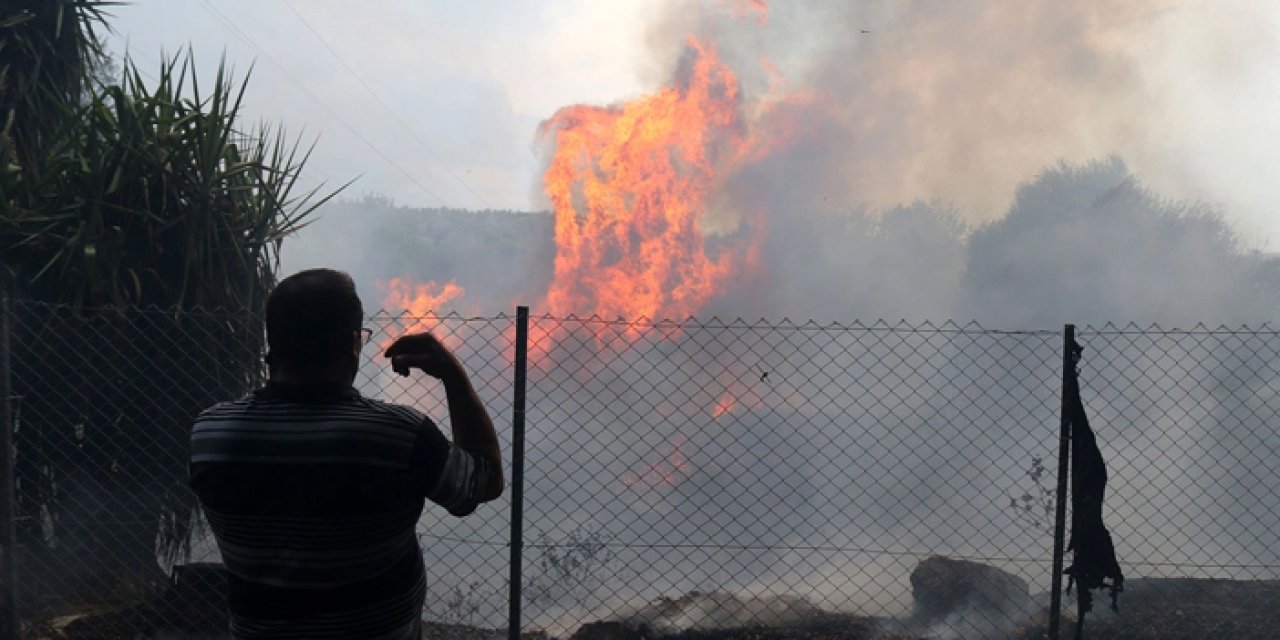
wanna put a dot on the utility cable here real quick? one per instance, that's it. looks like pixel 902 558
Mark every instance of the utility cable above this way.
pixel 425 147
pixel 244 36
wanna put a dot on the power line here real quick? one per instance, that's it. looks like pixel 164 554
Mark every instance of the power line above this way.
pixel 426 147
pixel 133 55
pixel 244 36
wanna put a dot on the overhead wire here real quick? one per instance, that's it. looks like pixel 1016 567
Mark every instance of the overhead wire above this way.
pixel 373 94
pixel 130 55
pixel 133 55
pixel 302 87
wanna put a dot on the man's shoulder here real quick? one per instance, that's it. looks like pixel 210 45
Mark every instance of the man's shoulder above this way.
pixel 224 409
pixel 403 413
pixel 356 409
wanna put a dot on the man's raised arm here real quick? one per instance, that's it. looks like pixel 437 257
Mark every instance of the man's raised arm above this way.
pixel 472 428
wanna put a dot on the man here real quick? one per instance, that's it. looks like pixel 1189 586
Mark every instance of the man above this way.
pixel 313 491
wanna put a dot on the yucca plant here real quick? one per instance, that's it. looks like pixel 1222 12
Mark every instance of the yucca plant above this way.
pixel 153 196
pixel 46 49
pixel 131 195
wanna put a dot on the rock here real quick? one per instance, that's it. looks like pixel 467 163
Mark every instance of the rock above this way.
pixel 944 589
pixel 613 630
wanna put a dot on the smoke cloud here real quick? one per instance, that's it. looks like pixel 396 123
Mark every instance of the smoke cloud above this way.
pixel 962 160
pixel 967 160
pixel 963 101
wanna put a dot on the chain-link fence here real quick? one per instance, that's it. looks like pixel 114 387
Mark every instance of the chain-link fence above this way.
pixel 101 407
pixel 857 480
pixel 1189 424
pixel 777 470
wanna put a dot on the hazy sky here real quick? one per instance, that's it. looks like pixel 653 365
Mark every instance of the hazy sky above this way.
pixel 436 103
pixel 449 93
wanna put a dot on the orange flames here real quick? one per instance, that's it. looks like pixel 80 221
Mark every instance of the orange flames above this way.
pixel 422 304
pixel 739 396
pixel 726 404
pixel 758 8
pixel 420 299
pixel 630 184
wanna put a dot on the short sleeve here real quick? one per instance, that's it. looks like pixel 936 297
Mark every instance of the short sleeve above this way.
pixel 447 475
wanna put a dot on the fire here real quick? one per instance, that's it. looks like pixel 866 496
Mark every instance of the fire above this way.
pixel 726 404
pixel 668 471
pixel 758 8
pixel 420 299
pixel 421 303
pixel 739 395
pixel 630 184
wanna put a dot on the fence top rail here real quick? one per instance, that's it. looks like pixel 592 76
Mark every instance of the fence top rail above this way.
pixel 1132 328
pixel 946 326
pixel 240 312
pixel 787 324
pixel 147 309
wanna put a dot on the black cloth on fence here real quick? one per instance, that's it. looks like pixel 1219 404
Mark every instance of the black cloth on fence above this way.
pixel 1094 562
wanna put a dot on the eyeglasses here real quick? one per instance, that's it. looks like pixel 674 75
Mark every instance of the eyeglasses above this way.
pixel 366 335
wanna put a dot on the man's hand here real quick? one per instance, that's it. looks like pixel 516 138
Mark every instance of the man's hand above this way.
pixel 425 352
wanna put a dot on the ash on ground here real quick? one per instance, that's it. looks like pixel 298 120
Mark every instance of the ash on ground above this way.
pixel 953 600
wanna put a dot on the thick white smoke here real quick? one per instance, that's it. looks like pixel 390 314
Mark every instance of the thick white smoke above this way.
pixel 1009 163
pixel 963 101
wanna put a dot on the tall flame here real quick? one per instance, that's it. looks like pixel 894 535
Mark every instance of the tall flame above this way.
pixel 630 183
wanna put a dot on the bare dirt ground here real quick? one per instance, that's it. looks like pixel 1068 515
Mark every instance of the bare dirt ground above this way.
pixel 1151 609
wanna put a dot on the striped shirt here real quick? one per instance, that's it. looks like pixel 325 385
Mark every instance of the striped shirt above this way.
pixel 313 494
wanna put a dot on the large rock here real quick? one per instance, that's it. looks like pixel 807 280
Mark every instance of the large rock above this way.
pixel 613 630
pixel 946 589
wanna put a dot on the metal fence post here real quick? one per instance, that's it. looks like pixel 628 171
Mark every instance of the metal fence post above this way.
pixel 9 621
pixel 517 469
pixel 1064 462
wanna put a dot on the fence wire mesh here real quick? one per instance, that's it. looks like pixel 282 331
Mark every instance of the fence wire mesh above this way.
pixel 775 471
pixel 102 407
pixel 1187 420
pixel 891 480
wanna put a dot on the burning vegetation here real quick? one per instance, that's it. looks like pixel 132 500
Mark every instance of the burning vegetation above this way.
pixel 630 184
pixel 700 197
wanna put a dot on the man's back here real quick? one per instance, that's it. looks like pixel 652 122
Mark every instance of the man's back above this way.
pixel 313 493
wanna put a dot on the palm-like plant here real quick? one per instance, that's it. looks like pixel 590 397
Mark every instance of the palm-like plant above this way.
pixel 148 196
pixel 46 47
pixel 111 198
